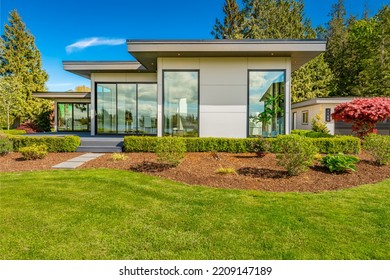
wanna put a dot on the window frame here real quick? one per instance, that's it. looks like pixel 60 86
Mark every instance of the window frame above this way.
pixel 303 117
pixel 74 103
pixel 163 95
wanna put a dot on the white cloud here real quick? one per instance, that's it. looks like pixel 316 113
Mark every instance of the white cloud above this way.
pixel 94 41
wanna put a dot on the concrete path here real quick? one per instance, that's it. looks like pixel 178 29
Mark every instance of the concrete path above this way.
pixel 77 161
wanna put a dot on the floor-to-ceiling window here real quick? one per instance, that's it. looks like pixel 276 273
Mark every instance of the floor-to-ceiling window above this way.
pixel 73 117
pixel 126 108
pixel 266 103
pixel 181 108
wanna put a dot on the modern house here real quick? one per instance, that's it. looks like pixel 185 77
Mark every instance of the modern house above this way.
pixel 303 113
pixel 205 88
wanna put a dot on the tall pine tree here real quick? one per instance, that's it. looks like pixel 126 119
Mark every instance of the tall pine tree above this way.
pixel 232 25
pixel 20 57
pixel 278 19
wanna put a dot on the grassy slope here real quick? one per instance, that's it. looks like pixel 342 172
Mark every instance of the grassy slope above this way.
pixel 108 214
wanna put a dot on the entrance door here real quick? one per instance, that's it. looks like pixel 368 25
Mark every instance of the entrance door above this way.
pixel 294 121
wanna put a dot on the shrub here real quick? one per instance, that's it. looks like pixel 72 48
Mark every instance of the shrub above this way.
pixel 260 146
pixel 5 146
pixel 227 170
pixel 14 132
pixel 29 127
pixel 53 143
pixel 170 150
pixel 314 134
pixel 340 162
pixel 337 144
pixel 118 156
pixel 301 132
pixel 317 125
pixel 363 113
pixel 34 152
pixel 296 153
pixel 378 146
pixel 345 144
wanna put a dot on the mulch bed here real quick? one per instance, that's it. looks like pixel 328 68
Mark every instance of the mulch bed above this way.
pixel 199 169
pixel 15 162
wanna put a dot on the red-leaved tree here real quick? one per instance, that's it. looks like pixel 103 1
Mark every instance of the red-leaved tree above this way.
pixel 363 113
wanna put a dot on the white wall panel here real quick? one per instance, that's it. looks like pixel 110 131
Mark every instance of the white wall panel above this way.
pixel 231 125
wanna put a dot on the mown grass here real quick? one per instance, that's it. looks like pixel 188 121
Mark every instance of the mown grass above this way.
pixel 112 214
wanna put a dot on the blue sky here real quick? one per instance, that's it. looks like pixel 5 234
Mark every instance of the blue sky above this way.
pixel 97 29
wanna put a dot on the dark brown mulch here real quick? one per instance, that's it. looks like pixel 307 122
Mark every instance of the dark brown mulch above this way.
pixel 199 169
pixel 252 172
pixel 15 162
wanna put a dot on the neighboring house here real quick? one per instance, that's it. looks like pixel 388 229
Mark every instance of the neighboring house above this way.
pixel 304 112
pixel 206 88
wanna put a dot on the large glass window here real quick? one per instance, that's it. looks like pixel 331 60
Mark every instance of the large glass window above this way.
pixel 266 103
pixel 181 95
pixel 127 108
pixel 73 117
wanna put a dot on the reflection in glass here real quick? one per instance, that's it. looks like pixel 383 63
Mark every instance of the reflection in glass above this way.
pixel 81 117
pixel 147 109
pixel 127 108
pixel 181 94
pixel 106 108
pixel 266 103
pixel 64 117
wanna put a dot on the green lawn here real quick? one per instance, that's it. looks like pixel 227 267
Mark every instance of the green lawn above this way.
pixel 110 214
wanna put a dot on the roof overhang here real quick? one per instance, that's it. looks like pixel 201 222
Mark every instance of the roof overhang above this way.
pixel 63 95
pixel 85 68
pixel 300 51
pixel 322 100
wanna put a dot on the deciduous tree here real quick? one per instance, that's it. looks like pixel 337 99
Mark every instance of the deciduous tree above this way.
pixel 363 113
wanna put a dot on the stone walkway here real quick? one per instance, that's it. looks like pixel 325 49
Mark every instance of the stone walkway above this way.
pixel 77 161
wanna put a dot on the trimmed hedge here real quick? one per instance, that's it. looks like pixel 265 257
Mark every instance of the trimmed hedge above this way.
pixel 13 132
pixel 53 143
pixel 343 144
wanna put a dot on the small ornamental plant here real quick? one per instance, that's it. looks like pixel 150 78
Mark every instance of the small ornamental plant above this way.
pixel 340 163
pixel 170 150
pixel 34 152
pixel 378 146
pixel 296 153
pixel 364 114
pixel 118 157
pixel 260 146
pixel 6 145
pixel 226 170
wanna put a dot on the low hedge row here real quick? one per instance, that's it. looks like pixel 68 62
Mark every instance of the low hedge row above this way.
pixel 13 131
pixel 343 144
pixel 53 143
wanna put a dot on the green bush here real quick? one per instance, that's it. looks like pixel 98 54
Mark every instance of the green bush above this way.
pixel 317 125
pixel 378 146
pixel 53 143
pixel 338 144
pixel 170 150
pixel 340 162
pixel 13 132
pixel 344 144
pixel 260 146
pixel 34 152
pixel 5 146
pixel 296 153
pixel 301 132
pixel 315 134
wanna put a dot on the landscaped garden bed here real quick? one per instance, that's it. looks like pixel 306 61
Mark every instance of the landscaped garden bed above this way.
pixel 252 172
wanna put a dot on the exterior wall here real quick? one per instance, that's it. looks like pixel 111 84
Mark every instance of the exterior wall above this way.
pixel 314 110
pixel 223 91
pixel 115 77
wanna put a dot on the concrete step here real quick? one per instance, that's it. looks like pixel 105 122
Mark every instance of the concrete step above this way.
pixel 99 149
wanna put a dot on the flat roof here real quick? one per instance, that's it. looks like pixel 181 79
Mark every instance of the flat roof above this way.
pixel 85 68
pixel 52 95
pixel 301 51
pixel 323 100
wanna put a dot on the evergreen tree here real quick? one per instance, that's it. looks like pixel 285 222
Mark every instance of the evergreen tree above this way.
pixel 20 57
pixel 336 46
pixel 232 23
pixel 314 79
